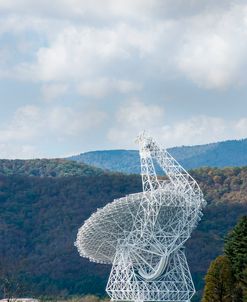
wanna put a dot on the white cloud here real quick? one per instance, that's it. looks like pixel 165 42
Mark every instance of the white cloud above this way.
pixel 134 117
pixel 202 130
pixel 241 128
pixel 214 52
pixel 196 130
pixel 102 87
pixel 136 9
pixel 75 53
pixel 82 52
pixel 53 91
pixel 209 46
pixel 64 121
pixel 32 125
pixel 18 151
pixel 23 126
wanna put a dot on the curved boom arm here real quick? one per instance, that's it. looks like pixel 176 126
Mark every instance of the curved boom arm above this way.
pixel 177 175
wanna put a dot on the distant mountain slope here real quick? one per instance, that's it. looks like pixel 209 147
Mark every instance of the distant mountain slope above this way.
pixel 47 168
pixel 126 161
pixel 232 153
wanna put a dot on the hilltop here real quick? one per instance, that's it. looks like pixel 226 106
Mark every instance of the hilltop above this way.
pixel 47 168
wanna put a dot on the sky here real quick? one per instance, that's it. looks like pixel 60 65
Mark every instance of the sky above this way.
pixel 82 75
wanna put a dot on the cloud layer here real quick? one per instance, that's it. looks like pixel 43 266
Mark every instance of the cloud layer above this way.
pixel 108 68
pixel 207 46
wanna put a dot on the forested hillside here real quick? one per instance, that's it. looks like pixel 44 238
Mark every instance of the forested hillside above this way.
pixel 39 218
pixel 222 154
pixel 47 168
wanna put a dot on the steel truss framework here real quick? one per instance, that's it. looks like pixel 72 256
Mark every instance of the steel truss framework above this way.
pixel 142 235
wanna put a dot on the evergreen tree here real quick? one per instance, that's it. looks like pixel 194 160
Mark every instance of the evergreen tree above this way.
pixel 236 249
pixel 219 281
pixel 243 284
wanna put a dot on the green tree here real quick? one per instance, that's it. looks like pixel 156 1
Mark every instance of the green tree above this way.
pixel 11 284
pixel 243 284
pixel 219 279
pixel 236 249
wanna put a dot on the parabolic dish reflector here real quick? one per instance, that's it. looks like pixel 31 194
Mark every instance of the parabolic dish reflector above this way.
pixel 98 237
pixel 107 228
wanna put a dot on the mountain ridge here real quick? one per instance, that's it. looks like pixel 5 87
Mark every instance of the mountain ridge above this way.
pixel 230 153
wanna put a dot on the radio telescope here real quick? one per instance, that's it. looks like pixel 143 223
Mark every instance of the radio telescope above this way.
pixel 142 235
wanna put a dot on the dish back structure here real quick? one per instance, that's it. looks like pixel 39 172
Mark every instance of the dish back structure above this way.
pixel 142 235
